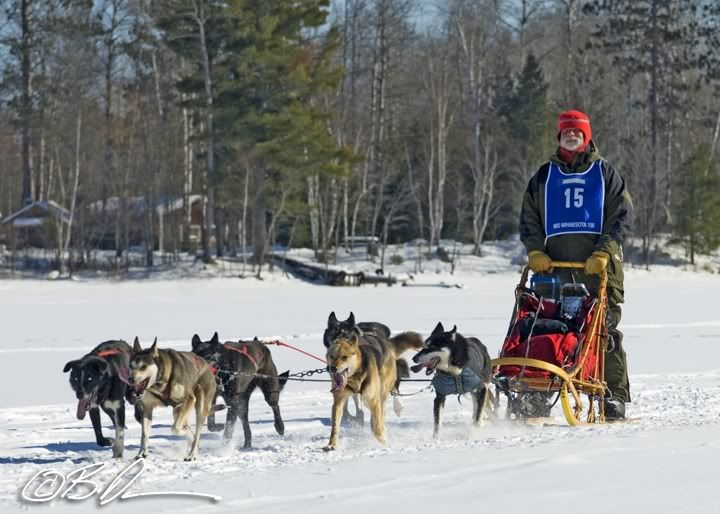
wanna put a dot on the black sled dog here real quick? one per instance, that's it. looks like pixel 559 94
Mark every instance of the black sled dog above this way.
pixel 236 365
pixel 461 365
pixel 95 378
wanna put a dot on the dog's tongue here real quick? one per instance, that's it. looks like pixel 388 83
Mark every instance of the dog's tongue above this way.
pixel 124 375
pixel 339 382
pixel 418 367
pixel 82 408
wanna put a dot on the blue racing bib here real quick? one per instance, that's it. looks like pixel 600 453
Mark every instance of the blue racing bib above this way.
pixel 574 201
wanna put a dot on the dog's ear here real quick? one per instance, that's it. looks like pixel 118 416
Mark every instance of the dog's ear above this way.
pixel 453 331
pixel 136 345
pixel 351 318
pixel 70 365
pixel 283 378
pixel 332 320
pixel 196 341
pixel 439 329
pixel 215 339
pixel 154 349
pixel 101 363
pixel 256 339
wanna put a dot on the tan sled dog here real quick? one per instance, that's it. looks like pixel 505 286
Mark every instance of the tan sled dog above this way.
pixel 368 368
pixel 181 380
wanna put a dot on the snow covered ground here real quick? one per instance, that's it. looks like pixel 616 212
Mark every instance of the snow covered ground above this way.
pixel 665 463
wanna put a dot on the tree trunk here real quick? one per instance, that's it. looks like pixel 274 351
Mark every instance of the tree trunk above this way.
pixel 201 20
pixel 379 156
pixel 244 217
pixel 346 188
pixel 259 210
pixel 275 216
pixel 219 231
pixel 26 99
pixel 329 219
pixel 73 198
pixel 437 87
pixel 313 196
pixel 188 159
pixel 654 173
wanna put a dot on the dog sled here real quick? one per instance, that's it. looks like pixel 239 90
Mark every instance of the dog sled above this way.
pixel 556 351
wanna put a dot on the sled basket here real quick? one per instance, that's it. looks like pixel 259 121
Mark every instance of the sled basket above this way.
pixel 570 362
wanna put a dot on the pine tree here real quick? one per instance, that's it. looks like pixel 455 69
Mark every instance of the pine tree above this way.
pixel 527 114
pixel 274 74
pixel 529 125
pixel 697 210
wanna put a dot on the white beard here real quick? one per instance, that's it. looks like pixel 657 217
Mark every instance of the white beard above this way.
pixel 570 143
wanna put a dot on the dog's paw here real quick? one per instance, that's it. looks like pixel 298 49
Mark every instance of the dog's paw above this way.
pixel 180 430
pixel 398 406
pixel 105 441
pixel 329 448
pixel 280 427
pixel 117 450
pixel 353 421
pixel 141 455
pixel 216 427
pixel 482 421
pixel 190 457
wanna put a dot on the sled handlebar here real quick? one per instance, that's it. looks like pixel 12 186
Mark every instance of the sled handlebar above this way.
pixel 566 264
pixel 572 265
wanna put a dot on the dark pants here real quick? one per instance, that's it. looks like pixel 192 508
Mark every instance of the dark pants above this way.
pixel 616 374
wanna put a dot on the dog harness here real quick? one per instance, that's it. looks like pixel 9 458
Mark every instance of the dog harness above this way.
pixel 108 353
pixel 243 350
pixel 446 384
pixel 475 371
pixel 164 382
pixel 574 201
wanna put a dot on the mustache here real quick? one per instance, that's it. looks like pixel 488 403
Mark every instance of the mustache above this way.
pixel 571 143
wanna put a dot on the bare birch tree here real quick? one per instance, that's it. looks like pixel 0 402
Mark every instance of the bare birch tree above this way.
pixel 442 106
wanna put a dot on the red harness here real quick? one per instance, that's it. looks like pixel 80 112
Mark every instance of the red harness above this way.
pixel 107 353
pixel 243 350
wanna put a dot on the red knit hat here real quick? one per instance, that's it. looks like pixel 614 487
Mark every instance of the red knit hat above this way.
pixel 575 119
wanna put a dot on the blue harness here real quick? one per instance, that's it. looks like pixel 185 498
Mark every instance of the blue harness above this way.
pixel 446 384
pixel 574 201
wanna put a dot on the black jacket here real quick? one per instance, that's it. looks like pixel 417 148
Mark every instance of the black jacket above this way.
pixel 617 218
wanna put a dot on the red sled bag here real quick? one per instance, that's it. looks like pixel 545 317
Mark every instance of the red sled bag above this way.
pixel 562 350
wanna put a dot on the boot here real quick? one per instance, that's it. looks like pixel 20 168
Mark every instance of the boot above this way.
pixel 614 410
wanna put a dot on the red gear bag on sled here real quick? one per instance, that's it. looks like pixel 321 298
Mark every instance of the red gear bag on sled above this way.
pixel 562 350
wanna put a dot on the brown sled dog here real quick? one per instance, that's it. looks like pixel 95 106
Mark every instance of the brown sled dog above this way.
pixel 181 380
pixel 361 364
